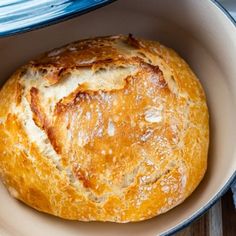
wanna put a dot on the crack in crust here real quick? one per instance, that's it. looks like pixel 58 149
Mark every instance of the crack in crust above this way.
pixel 40 118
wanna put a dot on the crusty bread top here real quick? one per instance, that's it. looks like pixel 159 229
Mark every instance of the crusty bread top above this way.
pixel 109 128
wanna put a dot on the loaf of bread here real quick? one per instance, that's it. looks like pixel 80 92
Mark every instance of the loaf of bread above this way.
pixel 104 129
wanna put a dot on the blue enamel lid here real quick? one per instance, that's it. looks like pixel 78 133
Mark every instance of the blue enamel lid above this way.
pixel 18 16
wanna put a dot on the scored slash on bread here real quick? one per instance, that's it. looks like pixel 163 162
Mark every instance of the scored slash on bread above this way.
pixel 108 129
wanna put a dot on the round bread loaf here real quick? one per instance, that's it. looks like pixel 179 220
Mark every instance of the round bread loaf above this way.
pixel 104 129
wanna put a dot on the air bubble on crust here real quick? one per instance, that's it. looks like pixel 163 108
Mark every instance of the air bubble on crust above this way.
pixel 71 48
pixel 83 138
pixel 182 171
pixel 170 201
pixel 149 162
pixel 145 178
pixel 97 199
pixel 154 115
pixel 111 128
pixel 165 189
pixel 56 52
pixel 13 192
pixel 88 61
pixel 129 178
pixel 146 135
pixel 88 115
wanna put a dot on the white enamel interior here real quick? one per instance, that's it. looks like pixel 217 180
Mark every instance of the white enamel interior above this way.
pixel 205 37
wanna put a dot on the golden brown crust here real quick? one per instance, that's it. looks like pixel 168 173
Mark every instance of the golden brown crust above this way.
pixel 108 129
